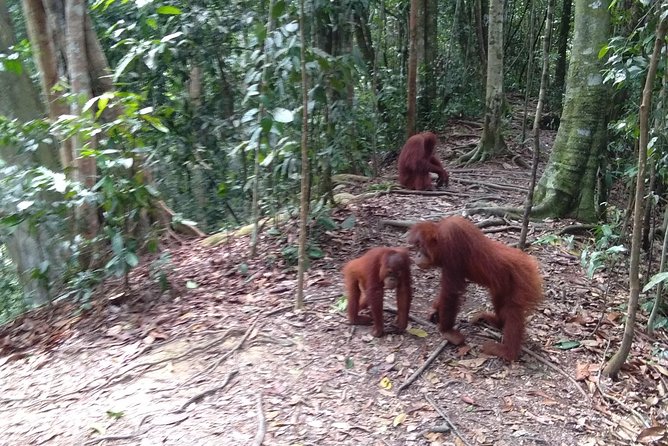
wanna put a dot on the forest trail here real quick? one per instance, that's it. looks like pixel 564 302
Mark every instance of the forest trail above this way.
pixel 222 359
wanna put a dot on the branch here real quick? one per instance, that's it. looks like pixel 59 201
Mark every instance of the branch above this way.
pixel 411 379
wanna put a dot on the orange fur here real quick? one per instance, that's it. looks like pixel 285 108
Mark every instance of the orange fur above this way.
pixel 365 279
pixel 417 160
pixel 463 253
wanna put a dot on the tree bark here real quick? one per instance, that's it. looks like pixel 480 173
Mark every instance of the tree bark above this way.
pixel 562 46
pixel 302 261
pixel 29 248
pixel 567 186
pixel 429 37
pixel 491 142
pixel 615 363
pixel 412 69
pixel 536 123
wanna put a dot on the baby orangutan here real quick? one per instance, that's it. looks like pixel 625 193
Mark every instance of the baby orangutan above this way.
pixel 367 277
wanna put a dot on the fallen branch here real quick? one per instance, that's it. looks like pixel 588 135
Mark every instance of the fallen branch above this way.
pixel 442 413
pixel 431 193
pixel 574 229
pixel 411 379
pixel 262 424
pixel 491 185
pixel 207 392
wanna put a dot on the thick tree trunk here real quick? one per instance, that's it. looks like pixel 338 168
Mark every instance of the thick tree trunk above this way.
pixel 567 186
pixel 29 249
pixel 491 142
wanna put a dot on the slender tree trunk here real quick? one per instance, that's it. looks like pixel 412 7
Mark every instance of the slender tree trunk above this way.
pixel 661 127
pixel 536 123
pixel 527 91
pixel 562 46
pixel 412 69
pixel 615 364
pixel 302 263
pixel 255 204
pixel 491 142
pixel 429 37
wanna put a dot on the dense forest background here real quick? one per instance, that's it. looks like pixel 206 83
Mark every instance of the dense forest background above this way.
pixel 126 120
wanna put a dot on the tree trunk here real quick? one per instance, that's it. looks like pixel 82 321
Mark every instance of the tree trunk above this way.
pixel 492 143
pixel 302 262
pixel 412 69
pixel 567 186
pixel 429 37
pixel 536 123
pixel 29 248
pixel 562 46
pixel 615 364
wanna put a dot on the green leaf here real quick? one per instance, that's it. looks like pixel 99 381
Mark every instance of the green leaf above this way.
pixel 155 122
pixel 567 345
pixel 349 363
pixel 603 51
pixel 655 280
pixel 349 222
pixel 168 10
pixel 315 253
pixel 283 115
pixel 117 243
pixel 420 333
pixel 131 259
pixel 115 415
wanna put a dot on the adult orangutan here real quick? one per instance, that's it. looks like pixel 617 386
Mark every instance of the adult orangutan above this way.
pixel 417 160
pixel 367 277
pixel 463 252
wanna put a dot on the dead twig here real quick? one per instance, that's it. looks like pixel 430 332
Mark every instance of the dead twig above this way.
pixel 419 320
pixel 226 355
pixel 262 424
pixel 442 413
pixel 207 392
pixel 543 361
pixel 411 379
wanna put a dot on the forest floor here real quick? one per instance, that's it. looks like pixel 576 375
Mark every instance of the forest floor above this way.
pixel 223 359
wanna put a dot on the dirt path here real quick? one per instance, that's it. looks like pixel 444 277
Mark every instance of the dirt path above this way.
pixel 205 364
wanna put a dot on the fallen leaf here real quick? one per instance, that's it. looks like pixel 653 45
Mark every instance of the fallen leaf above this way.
pixel 390 358
pixel 651 434
pixel 399 419
pixel 581 371
pixel 420 333
pixel 468 400
pixel 385 383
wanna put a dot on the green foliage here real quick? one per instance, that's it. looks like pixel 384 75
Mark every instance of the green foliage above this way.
pixel 123 196
pixel 11 298
pixel 604 252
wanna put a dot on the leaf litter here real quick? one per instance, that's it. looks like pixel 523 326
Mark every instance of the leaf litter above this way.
pixel 223 358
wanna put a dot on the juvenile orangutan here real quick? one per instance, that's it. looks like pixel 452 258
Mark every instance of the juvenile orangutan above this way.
pixel 367 277
pixel 417 160
pixel 463 253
